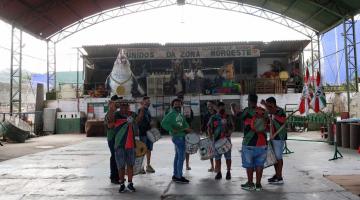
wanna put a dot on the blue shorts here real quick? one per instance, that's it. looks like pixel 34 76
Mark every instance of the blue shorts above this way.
pixel 253 156
pixel 227 155
pixel 148 143
pixel 124 157
pixel 278 146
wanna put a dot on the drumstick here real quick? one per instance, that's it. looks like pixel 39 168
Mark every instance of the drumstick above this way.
pixel 283 126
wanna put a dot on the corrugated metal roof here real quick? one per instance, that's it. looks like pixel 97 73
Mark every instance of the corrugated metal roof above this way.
pixel 44 18
pixel 111 50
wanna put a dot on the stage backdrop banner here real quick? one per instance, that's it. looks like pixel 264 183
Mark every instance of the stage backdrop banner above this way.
pixel 229 51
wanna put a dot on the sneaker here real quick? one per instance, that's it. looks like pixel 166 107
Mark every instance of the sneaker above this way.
pixel 228 175
pixel 149 169
pixel 131 187
pixel 122 188
pixel 272 179
pixel 173 178
pixel 188 168
pixel 181 180
pixel 218 176
pixel 248 186
pixel 258 187
pixel 280 181
pixel 277 181
pixel 211 170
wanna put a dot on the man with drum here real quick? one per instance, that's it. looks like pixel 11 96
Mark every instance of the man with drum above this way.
pixel 254 145
pixel 109 124
pixel 144 126
pixel 189 116
pixel 220 129
pixel 175 123
pixel 278 119
pixel 125 128
pixel 210 105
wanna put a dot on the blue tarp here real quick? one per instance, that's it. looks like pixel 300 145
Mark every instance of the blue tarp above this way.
pixel 333 64
pixel 61 78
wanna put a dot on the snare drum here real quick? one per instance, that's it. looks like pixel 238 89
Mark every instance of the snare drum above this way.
pixel 207 149
pixel 223 145
pixel 153 135
pixel 192 143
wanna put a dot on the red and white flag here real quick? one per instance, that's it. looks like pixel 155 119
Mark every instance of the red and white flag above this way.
pixel 318 101
pixel 305 97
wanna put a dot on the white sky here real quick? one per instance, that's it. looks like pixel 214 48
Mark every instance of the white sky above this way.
pixel 171 24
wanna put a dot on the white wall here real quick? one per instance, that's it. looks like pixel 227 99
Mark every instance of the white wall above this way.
pixel 339 100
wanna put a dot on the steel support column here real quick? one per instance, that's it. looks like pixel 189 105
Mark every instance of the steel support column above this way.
pixel 350 58
pixel 318 52
pixel 51 66
pixel 315 56
pixel 15 70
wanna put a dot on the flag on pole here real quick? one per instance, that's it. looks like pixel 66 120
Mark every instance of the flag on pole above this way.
pixel 318 101
pixel 305 97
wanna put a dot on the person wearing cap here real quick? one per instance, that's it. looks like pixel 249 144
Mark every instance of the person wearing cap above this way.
pixel 125 128
pixel 109 125
pixel 278 119
pixel 254 145
pixel 220 126
pixel 175 123
pixel 144 126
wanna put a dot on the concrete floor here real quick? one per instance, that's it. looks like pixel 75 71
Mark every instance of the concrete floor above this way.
pixel 80 171
pixel 38 144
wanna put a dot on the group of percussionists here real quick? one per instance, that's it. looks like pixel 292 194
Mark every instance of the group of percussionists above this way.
pixel 123 125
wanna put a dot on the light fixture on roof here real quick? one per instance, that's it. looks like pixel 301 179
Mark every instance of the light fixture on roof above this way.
pixel 180 2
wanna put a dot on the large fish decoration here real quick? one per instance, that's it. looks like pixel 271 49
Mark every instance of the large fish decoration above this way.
pixel 121 80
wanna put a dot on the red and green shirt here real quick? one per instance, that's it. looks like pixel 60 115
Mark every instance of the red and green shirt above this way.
pixel 125 131
pixel 252 137
pixel 278 119
pixel 220 125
